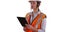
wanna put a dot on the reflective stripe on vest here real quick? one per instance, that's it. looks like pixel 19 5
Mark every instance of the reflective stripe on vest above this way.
pixel 39 21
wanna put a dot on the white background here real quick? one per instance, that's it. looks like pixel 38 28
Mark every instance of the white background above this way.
pixel 10 9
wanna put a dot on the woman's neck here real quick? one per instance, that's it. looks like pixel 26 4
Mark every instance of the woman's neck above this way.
pixel 35 10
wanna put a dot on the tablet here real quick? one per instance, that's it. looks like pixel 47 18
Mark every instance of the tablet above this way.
pixel 22 20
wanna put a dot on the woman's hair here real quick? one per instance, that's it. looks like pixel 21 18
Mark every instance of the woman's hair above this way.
pixel 38 3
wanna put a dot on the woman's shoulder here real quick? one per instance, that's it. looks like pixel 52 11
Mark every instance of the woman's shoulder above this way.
pixel 43 15
pixel 28 14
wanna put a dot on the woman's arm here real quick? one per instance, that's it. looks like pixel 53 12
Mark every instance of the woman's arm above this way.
pixel 43 26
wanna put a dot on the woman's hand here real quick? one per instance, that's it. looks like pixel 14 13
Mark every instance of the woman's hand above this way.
pixel 24 28
pixel 31 27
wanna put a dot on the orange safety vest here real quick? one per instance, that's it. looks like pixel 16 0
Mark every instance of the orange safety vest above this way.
pixel 35 21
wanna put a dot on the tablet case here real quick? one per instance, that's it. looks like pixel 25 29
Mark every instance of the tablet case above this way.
pixel 22 20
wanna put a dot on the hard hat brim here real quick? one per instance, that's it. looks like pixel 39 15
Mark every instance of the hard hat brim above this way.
pixel 32 1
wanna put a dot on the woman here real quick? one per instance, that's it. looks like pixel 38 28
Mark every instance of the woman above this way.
pixel 36 19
